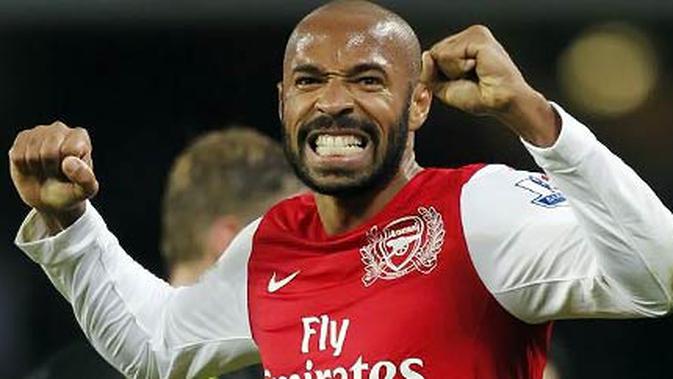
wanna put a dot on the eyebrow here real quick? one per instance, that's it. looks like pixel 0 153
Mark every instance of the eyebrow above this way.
pixel 311 69
pixel 364 67
pixel 308 68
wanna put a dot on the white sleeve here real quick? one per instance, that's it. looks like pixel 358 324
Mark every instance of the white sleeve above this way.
pixel 139 323
pixel 594 241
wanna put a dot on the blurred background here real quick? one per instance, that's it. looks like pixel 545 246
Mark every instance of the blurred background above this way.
pixel 144 77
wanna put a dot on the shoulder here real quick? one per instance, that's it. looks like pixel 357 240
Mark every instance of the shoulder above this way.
pixel 457 175
pixel 293 214
pixel 502 185
pixel 498 203
pixel 238 251
pixel 440 182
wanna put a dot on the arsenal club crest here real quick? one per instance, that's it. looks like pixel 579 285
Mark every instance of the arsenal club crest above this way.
pixel 410 243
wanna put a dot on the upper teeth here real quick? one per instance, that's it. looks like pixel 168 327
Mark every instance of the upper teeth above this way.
pixel 338 145
pixel 338 141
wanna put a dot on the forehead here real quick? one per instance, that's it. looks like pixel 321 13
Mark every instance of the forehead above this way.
pixel 337 44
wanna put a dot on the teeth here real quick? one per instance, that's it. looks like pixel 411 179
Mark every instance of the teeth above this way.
pixel 337 150
pixel 338 145
pixel 341 140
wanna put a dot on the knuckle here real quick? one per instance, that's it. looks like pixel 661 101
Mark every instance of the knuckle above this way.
pixel 23 134
pixel 480 29
pixel 75 146
pixel 82 132
pixel 40 129
pixel 56 129
pixel 440 47
pixel 32 157
pixel 59 124
pixel 14 155
pixel 52 139
pixel 50 153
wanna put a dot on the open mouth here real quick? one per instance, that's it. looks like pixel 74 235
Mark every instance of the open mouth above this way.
pixel 343 143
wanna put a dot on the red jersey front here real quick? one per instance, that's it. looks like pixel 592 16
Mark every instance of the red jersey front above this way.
pixel 398 297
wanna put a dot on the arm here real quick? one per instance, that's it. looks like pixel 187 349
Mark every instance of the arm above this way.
pixel 606 251
pixel 140 324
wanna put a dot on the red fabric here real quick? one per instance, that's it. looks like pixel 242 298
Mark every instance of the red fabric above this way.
pixel 436 320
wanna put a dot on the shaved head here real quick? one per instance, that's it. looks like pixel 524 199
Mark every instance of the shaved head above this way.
pixel 351 97
pixel 363 20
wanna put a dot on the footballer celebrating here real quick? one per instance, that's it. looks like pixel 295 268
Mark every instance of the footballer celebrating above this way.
pixel 385 269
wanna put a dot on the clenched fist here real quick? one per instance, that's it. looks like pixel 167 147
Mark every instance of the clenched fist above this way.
pixel 52 170
pixel 471 71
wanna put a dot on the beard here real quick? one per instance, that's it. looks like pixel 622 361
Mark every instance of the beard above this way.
pixel 350 183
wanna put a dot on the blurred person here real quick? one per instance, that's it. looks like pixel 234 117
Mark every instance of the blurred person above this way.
pixel 219 183
pixel 74 361
pixel 551 371
pixel 386 269
pixel 559 364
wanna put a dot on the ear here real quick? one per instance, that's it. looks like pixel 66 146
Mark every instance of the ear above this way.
pixel 421 99
pixel 220 234
pixel 279 86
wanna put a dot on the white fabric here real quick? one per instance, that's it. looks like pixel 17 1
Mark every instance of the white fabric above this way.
pixel 606 252
pixel 140 324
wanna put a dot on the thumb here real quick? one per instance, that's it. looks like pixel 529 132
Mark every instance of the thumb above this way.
pixel 428 69
pixel 80 174
pixel 462 94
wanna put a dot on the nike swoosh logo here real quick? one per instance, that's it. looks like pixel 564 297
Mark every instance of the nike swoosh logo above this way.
pixel 276 285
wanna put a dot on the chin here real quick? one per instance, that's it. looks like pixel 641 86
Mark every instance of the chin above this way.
pixel 344 186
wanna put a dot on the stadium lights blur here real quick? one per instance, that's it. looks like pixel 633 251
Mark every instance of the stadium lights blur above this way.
pixel 609 70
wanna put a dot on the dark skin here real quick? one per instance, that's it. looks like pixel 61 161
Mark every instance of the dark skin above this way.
pixel 324 71
pixel 346 57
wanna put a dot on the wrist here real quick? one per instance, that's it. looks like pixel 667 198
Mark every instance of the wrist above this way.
pixel 533 118
pixel 57 221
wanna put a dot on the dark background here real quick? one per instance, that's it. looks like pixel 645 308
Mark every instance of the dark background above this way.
pixel 145 77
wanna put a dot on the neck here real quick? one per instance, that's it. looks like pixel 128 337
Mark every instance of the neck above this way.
pixel 187 273
pixel 339 215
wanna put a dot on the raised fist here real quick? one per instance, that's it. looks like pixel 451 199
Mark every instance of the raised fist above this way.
pixel 471 71
pixel 52 170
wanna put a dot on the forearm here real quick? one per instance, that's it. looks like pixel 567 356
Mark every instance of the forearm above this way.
pixel 532 118
pixel 57 222
pixel 140 324
pixel 630 230
pixel 90 270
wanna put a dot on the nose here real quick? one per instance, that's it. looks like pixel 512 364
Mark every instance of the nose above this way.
pixel 335 99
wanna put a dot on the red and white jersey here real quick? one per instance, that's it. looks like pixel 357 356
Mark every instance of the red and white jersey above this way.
pixel 457 277
pixel 398 297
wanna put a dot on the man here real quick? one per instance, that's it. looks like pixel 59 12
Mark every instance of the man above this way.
pixel 217 185
pixel 221 182
pixel 387 269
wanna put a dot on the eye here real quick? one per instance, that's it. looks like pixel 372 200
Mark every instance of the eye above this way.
pixel 370 81
pixel 305 81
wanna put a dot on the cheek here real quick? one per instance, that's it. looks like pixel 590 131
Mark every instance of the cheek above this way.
pixel 296 110
pixel 382 109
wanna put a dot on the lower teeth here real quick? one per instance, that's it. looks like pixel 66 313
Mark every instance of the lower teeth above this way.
pixel 337 150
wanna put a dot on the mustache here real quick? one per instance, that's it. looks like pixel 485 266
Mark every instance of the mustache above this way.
pixel 340 122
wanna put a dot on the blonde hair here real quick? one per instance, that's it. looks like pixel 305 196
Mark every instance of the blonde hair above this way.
pixel 236 171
